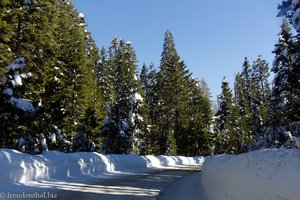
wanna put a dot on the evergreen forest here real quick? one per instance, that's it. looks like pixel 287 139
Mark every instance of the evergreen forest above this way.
pixel 59 91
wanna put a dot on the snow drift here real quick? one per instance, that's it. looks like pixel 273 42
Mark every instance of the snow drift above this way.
pixel 17 167
pixel 264 174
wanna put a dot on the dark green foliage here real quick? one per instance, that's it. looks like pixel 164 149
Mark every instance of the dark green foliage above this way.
pixel 196 137
pixel 169 96
pixel 290 10
pixel 252 93
pixel 177 109
pixel 260 92
pixel 241 93
pixel 245 115
pixel 148 80
pixel 62 58
pixel 251 97
pixel 164 112
pixel 228 122
pixel 125 125
pixel 15 109
pixel 285 9
pixel 5 36
pixel 279 95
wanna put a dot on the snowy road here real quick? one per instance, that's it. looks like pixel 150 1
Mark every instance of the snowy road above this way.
pixel 187 187
pixel 173 183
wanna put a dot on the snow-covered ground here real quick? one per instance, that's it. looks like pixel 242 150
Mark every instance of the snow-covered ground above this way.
pixel 259 175
pixel 20 168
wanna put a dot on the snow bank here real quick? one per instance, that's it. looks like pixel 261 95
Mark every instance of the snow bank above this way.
pixel 264 174
pixel 166 161
pixel 16 167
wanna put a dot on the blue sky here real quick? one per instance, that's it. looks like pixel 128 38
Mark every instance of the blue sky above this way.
pixel 211 36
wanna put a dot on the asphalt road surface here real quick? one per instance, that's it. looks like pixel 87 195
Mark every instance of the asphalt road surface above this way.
pixel 182 183
pixel 187 187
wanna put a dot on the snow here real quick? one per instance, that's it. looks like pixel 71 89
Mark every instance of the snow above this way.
pixel 18 64
pixel 26 75
pixel 264 174
pixel 22 104
pixel 8 91
pixel 20 168
pixel 81 15
pixel 19 103
pixel 138 97
pixel 225 80
pixel 56 79
pixel 296 19
pixel 297 139
pixel 28 1
pixel 17 80
pixel 44 142
pixel 295 3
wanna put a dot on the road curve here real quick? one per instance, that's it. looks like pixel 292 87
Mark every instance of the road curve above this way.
pixel 161 184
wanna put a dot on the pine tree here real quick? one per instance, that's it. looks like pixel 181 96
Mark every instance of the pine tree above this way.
pixel 244 110
pixel 279 95
pixel 46 83
pixel 62 58
pixel 14 108
pixel 106 78
pixel 94 99
pixel 148 81
pixel 5 37
pixel 260 92
pixel 204 87
pixel 124 124
pixel 246 76
pixel 28 38
pixel 104 75
pixel 144 80
pixel 291 10
pixel 168 90
pixel 293 80
pixel 150 91
pixel 172 122
pixel 73 61
pixel 285 9
pixel 198 136
pixel 137 114
pixel 252 95
pixel 227 122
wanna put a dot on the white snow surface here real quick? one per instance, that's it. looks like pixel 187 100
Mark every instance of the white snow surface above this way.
pixel 81 15
pixel 258 175
pixel 17 80
pixel 26 75
pixel 22 104
pixel 19 63
pixel 297 140
pixel 20 168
